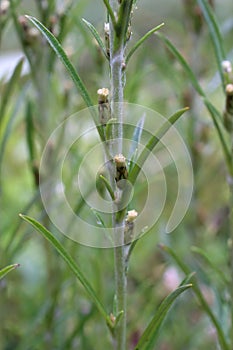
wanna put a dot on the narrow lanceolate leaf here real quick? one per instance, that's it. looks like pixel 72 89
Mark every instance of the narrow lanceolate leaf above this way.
pixel 141 41
pixel 96 36
pixel 215 34
pixel 221 336
pixel 108 186
pixel 70 262
pixel 9 88
pixel 148 338
pixel 7 269
pixel 30 137
pixel 136 136
pixel 225 279
pixel 54 43
pixel 153 142
pixel 183 63
pixel 218 126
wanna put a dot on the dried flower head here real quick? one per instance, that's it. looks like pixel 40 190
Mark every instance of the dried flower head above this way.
pixel 229 90
pixel 228 113
pixel 103 95
pixel 106 28
pixel 129 226
pixel 121 170
pixel 131 215
pixel 226 66
pixel 103 105
pixel 107 40
pixel 119 159
pixel 4 7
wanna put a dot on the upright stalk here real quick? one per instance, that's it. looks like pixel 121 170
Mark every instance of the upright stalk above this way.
pixel 230 181
pixel 117 41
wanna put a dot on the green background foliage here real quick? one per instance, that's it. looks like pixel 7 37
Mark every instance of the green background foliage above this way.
pixel 42 305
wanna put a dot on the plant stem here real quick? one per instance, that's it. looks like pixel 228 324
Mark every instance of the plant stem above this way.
pixel 117 47
pixel 230 182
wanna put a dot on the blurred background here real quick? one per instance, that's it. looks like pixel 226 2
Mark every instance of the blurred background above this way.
pixel 42 306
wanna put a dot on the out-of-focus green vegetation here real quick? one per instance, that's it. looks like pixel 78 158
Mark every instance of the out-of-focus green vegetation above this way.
pixel 42 306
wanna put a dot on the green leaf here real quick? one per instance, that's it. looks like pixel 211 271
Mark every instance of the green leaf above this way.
pixel 54 43
pixel 148 337
pixel 8 128
pixel 30 137
pixel 10 87
pixel 136 138
pixel 71 263
pixel 108 186
pixel 215 268
pixel 96 36
pixel 214 34
pixel 7 269
pixel 98 217
pixel 215 115
pixel 200 297
pixel 153 142
pixel 183 63
pixel 141 41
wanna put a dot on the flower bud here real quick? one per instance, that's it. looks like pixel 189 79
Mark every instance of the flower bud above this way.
pixel 129 226
pixel 228 114
pixel 121 170
pixel 4 7
pixel 103 105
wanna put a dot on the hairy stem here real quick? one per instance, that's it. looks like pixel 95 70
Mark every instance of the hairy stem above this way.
pixel 230 181
pixel 117 47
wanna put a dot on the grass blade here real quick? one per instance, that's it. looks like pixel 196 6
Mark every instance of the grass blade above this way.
pixel 30 136
pixel 54 43
pixel 70 262
pixel 215 118
pixel 153 142
pixel 7 130
pixel 215 268
pixel 148 338
pixel 7 269
pixel 183 63
pixel 108 187
pixel 215 35
pixel 221 336
pixel 10 86
pixel 141 41
pixel 96 36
